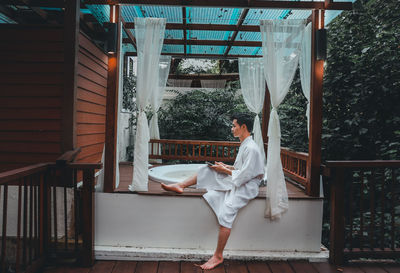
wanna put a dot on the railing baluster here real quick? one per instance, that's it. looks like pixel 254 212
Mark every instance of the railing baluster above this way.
pixel 351 211
pixel 36 215
pixel 372 208
pixel 55 212
pixel 76 220
pixel 383 211
pixel 17 261
pixel 30 219
pixel 361 209
pixel 65 218
pixel 88 215
pixel 4 231
pixel 25 225
pixel 393 209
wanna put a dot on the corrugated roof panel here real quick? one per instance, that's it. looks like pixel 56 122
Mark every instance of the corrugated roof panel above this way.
pixel 100 12
pixel 172 49
pixel 200 49
pixel 207 35
pixel 173 34
pixel 255 15
pixel 210 15
pixel 129 13
pixel 248 36
pixel 240 50
pixel 173 14
pixel 299 14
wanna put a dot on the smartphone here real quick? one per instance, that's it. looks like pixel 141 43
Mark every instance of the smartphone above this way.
pixel 209 163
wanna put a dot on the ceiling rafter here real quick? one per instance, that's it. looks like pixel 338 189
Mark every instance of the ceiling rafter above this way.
pixel 212 27
pixel 184 29
pixel 206 42
pixel 206 56
pixel 131 38
pixel 235 33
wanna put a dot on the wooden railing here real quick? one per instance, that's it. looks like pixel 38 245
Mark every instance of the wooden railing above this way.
pixel 294 166
pixel 195 150
pixel 364 202
pixel 294 163
pixel 45 216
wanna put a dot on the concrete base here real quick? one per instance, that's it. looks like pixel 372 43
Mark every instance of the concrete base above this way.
pixel 173 254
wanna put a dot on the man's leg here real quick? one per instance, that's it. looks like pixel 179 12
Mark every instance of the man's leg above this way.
pixel 179 187
pixel 218 258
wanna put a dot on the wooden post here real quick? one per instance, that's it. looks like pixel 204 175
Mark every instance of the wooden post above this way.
pixel 71 47
pixel 265 117
pixel 314 146
pixel 110 160
pixel 337 217
pixel 87 257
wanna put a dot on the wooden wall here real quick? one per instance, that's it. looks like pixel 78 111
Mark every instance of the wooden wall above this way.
pixel 31 84
pixel 91 100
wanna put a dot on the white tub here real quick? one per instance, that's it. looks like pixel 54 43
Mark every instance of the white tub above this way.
pixel 170 174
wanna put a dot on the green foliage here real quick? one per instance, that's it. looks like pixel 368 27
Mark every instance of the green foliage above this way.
pixel 201 115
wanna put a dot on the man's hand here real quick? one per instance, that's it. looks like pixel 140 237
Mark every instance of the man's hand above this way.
pixel 221 168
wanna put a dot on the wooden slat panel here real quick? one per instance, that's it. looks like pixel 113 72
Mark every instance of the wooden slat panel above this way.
pixel 30 125
pixel 95 158
pixel 280 267
pixel 88 107
pixel 36 90
pixel 84 140
pixel 303 267
pixel 146 267
pixel 85 43
pixel 90 118
pixel 27 158
pixel 35 102
pixel 190 267
pixel 32 136
pixel 33 147
pixel 90 85
pixel 11 166
pixel 124 267
pixel 29 57
pixel 325 267
pixel 86 95
pixel 90 150
pixel 255 267
pixel 31 78
pixel 32 46
pixel 90 129
pixel 91 63
pixel 235 267
pixel 13 67
pixel 93 76
pixel 26 33
pixel 103 267
pixel 168 267
pixel 27 113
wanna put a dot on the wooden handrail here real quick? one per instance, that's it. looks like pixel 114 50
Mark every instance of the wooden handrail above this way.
pixel 68 157
pixel 22 172
pixel 294 166
pixel 362 164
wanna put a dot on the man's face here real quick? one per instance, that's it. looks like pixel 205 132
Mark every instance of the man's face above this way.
pixel 236 129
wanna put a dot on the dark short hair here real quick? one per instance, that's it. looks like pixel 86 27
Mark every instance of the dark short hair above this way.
pixel 244 118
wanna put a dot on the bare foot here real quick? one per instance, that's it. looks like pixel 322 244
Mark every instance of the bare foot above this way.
pixel 173 187
pixel 213 262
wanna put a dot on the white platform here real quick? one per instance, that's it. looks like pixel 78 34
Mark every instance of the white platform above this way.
pixel 169 227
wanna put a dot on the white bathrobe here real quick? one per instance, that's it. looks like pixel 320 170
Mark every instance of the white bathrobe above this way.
pixel 226 194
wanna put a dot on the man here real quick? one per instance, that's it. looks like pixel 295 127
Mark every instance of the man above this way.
pixel 229 188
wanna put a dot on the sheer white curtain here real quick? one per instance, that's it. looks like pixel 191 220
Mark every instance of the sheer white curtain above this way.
pixel 252 84
pixel 149 40
pixel 156 99
pixel 281 41
pixel 305 69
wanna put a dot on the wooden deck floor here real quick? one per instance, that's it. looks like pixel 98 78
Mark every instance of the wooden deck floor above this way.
pixel 227 267
pixel 126 173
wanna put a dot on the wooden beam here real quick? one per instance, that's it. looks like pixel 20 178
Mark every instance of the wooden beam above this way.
pixel 239 23
pixel 314 146
pixel 71 47
pixel 230 4
pixel 110 159
pixel 201 56
pixel 207 42
pixel 229 77
pixel 129 33
pixel 212 27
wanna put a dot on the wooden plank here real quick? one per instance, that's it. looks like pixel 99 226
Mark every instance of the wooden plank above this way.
pixel 325 267
pixel 94 158
pixel 33 147
pixel 36 90
pixel 34 102
pixel 256 267
pixel 89 118
pixel 84 140
pixel 88 107
pixel 10 114
pixel 32 136
pixel 90 85
pixel 103 267
pixel 302 267
pixel 90 150
pixel 372 269
pixel 235 267
pixel 28 34
pixel 91 75
pixel 29 125
pixel 280 267
pixel 392 268
pixel 168 267
pixel 98 60
pixel 29 57
pixel 92 64
pixel 146 267
pixel 31 78
pixel 22 68
pixel 89 96
pixel 22 158
pixel 83 129
pixel 67 269
pixel 11 166
pixel 88 227
pixel 124 267
pixel 85 43
pixel 352 269
pixel 190 267
pixel 219 269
